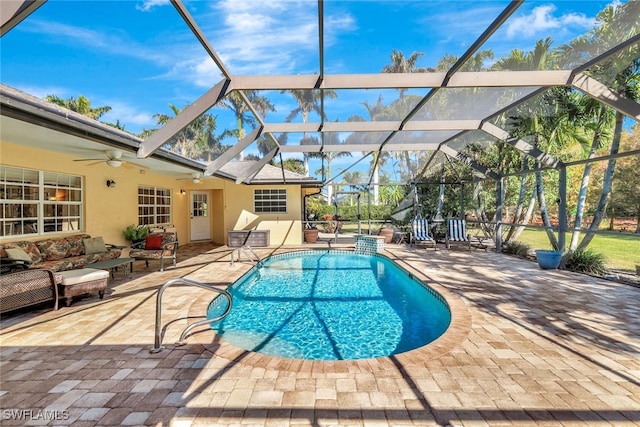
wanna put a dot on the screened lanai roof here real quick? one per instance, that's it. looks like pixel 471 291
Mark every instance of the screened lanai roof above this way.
pixel 327 71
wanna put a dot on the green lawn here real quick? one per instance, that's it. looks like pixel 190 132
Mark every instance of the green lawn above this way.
pixel 621 252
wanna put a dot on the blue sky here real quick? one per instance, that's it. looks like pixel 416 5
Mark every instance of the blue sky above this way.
pixel 139 56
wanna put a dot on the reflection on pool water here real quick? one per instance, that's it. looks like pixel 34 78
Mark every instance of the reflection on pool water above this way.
pixel 330 305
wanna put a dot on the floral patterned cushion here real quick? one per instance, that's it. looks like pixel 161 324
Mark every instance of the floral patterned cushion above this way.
pixel 76 245
pixel 53 249
pixel 29 247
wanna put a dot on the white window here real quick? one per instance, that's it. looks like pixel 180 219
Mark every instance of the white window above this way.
pixel 270 200
pixel 37 202
pixel 154 206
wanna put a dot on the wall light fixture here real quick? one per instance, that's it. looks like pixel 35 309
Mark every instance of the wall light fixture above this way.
pixel 111 183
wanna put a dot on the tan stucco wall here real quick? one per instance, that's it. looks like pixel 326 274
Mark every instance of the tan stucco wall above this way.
pixel 285 228
pixel 109 210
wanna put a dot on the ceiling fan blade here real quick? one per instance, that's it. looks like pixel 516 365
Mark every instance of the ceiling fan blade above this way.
pixel 95 163
pixel 87 160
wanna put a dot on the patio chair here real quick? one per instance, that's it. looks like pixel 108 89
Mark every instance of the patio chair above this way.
pixel 457 233
pixel 420 233
pixel 157 246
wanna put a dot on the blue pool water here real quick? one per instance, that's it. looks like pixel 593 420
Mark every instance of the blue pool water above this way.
pixel 330 305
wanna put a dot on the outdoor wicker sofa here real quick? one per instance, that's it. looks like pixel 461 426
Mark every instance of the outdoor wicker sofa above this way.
pixel 27 287
pixel 61 253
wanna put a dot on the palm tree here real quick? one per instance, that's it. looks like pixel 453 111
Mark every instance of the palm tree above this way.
pixel 614 26
pixel 308 101
pixel 81 105
pixel 376 111
pixel 192 141
pixel 235 103
pixel 400 64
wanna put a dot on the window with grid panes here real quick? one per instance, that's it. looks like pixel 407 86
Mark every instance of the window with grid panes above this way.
pixel 36 202
pixel 270 200
pixel 154 206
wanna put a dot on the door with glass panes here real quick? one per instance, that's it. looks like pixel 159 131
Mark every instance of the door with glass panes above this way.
pixel 200 221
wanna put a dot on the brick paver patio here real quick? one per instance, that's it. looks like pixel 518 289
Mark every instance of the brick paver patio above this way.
pixel 526 347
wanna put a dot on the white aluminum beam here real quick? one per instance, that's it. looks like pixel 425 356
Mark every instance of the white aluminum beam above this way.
pixel 427 125
pixel 382 126
pixel 191 23
pixel 182 120
pixel 12 12
pixel 602 93
pixel 232 152
pixel 250 173
pixel 314 148
pixel 292 127
pixel 421 146
pixel 519 144
pixel 405 80
pixel 510 78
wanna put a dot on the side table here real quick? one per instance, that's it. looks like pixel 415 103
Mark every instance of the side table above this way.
pixel 112 265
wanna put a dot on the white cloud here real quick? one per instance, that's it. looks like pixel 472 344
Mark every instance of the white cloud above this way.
pixel 117 43
pixel 128 115
pixel 542 19
pixel 148 5
pixel 267 37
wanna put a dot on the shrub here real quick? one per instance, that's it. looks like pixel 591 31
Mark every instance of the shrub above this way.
pixel 135 233
pixel 517 248
pixel 585 261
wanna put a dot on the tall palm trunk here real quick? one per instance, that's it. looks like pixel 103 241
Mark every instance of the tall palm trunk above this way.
pixel 544 213
pixel 519 204
pixel 376 185
pixel 480 209
pixel 527 217
pixel 601 209
pixel 582 195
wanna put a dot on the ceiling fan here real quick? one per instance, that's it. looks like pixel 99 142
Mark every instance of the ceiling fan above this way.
pixel 114 159
pixel 196 177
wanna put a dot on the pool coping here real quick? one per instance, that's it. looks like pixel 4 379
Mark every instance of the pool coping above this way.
pixel 455 334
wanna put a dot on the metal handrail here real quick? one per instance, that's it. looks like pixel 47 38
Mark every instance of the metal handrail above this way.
pixel 158 334
pixel 243 250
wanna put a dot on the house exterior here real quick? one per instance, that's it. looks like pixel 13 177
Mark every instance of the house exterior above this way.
pixel 58 176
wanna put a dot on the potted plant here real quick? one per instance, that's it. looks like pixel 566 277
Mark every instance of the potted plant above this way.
pixel 135 233
pixel 310 230
pixel 548 259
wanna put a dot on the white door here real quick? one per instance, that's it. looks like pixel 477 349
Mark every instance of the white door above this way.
pixel 200 221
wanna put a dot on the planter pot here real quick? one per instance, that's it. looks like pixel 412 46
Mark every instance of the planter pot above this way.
pixel 387 233
pixel 310 235
pixel 547 259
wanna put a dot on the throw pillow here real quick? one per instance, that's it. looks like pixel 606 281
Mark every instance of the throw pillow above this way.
pixel 153 241
pixel 18 254
pixel 94 245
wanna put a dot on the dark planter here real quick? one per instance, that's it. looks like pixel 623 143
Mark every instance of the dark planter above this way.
pixel 548 259
pixel 387 233
pixel 311 235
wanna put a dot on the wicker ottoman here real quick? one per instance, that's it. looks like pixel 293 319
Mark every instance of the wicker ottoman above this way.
pixel 82 281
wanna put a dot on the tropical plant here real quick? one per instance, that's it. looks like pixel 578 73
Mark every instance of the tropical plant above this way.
pixel 516 248
pixel 585 261
pixel 81 105
pixel 195 140
pixel 135 233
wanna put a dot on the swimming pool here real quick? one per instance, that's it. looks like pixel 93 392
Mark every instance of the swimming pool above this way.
pixel 330 305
